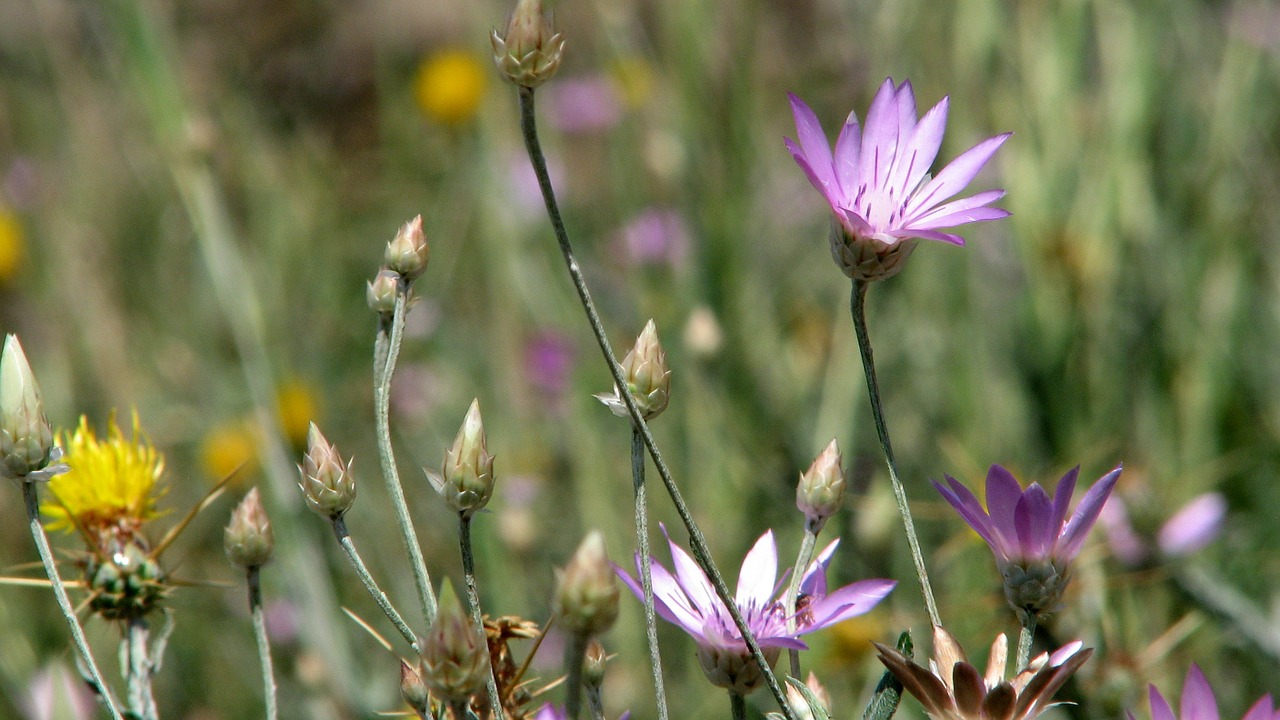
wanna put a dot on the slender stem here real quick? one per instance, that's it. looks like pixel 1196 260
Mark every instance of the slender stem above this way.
pixel 382 409
pixel 595 703
pixel 473 599
pixel 1024 640
pixel 371 585
pixel 857 304
pixel 646 575
pixel 793 589
pixel 697 542
pixel 29 496
pixel 574 652
pixel 737 706
pixel 264 643
pixel 138 670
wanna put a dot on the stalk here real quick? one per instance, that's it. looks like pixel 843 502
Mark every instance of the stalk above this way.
pixel 646 574
pixel 473 599
pixel 371 585
pixel 1025 638
pixel 264 643
pixel 793 590
pixel 138 670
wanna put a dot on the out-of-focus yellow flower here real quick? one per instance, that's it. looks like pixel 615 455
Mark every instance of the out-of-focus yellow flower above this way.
pixel 230 447
pixel 633 78
pixel 113 485
pixel 450 85
pixel 852 638
pixel 12 245
pixel 296 407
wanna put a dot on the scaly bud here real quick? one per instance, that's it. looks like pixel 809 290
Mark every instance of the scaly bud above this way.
pixel 454 664
pixel 466 480
pixel 593 665
pixel 381 292
pixel 821 488
pixel 27 451
pixel 413 690
pixel 810 703
pixel 866 258
pixel 408 252
pixel 248 539
pixel 587 591
pixel 647 374
pixel 326 483
pixel 529 54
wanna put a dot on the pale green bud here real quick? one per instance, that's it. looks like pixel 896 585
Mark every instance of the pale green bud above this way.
pixel 530 51
pixel 26 438
pixel 821 489
pixel 593 662
pixel 413 689
pixel 249 540
pixel 326 483
pixel 455 664
pixel 587 594
pixel 408 252
pixel 381 292
pixel 466 479
pixel 648 377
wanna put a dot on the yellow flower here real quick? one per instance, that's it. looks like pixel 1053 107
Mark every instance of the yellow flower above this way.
pixel 634 80
pixel 11 245
pixel 450 85
pixel 296 408
pixel 113 485
pixel 228 448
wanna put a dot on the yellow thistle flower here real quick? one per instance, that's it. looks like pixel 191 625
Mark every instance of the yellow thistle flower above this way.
pixel 230 447
pixel 296 407
pixel 113 485
pixel 450 85
pixel 12 246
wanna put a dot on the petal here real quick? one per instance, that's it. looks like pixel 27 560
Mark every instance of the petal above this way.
pixel 1197 697
pixel 955 176
pixel 1003 494
pixel 1194 526
pixel 920 148
pixel 1062 497
pixel 924 685
pixel 848 155
pixel 958 212
pixel 668 600
pixel 814 581
pixel 693 582
pixel 829 191
pixel 970 510
pixel 1068 546
pixel 758 575
pixel 879 137
pixel 968 689
pixel 1261 710
pixel 1160 709
pixel 927 235
pixel 1000 702
pixel 849 601
pixel 1031 518
pixel 813 145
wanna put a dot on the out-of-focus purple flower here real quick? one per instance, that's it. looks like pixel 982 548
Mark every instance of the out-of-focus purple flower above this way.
pixel 1030 534
pixel 1126 545
pixel 657 236
pixel 878 185
pixel 523 188
pixel 548 358
pixel 584 104
pixel 1192 527
pixel 555 712
pixel 1198 702
pixel 688 599
pixel 56 692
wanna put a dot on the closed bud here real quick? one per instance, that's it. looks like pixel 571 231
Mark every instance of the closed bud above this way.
pixel 408 252
pixel 27 451
pixel 529 53
pixel 587 591
pixel 593 665
pixel 647 374
pixel 809 701
pixel 381 291
pixel 821 489
pixel 466 480
pixel 248 539
pixel 866 258
pixel 455 665
pixel 413 690
pixel 326 483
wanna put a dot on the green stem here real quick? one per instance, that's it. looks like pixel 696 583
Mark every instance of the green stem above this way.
pixel 858 310
pixel 138 671
pixel 646 574
pixel 737 706
pixel 595 703
pixel 264 643
pixel 574 652
pixel 793 589
pixel 371 585
pixel 382 410
pixel 473 599
pixel 697 542
pixel 1025 638
pixel 29 496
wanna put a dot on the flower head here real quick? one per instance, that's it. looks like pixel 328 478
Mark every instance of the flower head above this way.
pixel 466 479
pixel 529 53
pixel 688 599
pixel 1033 540
pixel 27 451
pixel 877 180
pixel 1198 702
pixel 326 483
pixel 248 538
pixel 450 86
pixel 953 689
pixel 648 377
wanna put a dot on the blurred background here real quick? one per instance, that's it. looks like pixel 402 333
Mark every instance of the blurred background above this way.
pixel 192 196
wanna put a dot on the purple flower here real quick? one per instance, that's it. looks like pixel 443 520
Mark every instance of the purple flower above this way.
pixel 878 185
pixel 1033 540
pixel 657 236
pixel 1198 702
pixel 555 712
pixel 688 600
pixel 1192 527
pixel 584 104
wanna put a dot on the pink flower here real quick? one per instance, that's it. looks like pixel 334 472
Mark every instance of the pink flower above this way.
pixel 878 185
pixel 688 600
pixel 1192 527
pixel 1198 702
pixel 1030 534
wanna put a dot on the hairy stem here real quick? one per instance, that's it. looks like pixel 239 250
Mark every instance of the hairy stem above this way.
pixel 858 309
pixel 371 585
pixel 697 542
pixel 29 497
pixel 595 703
pixel 264 643
pixel 646 575
pixel 574 652
pixel 737 706
pixel 793 590
pixel 1025 637
pixel 138 670
pixel 473 599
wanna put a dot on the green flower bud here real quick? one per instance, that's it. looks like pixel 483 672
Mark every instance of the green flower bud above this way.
pixel 413 690
pixel 647 374
pixel 466 481
pixel 381 292
pixel 593 662
pixel 529 53
pixel 821 489
pixel 408 252
pixel 586 597
pixel 248 539
pixel 455 664
pixel 26 438
pixel 326 484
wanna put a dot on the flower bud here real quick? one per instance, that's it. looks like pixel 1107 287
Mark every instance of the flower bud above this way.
pixel 865 258
pixel 248 539
pixel 1034 588
pixel 326 483
pixel 466 481
pixel 587 592
pixel 647 374
pixel 821 488
pixel 413 690
pixel 26 438
pixel 408 252
pixel 454 663
pixel 593 662
pixel 529 54
pixel 381 291
pixel 811 702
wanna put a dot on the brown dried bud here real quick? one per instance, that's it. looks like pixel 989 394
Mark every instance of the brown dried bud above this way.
pixel 326 484
pixel 248 539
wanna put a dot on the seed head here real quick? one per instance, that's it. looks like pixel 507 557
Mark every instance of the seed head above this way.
pixel 529 53
pixel 326 483
pixel 248 539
